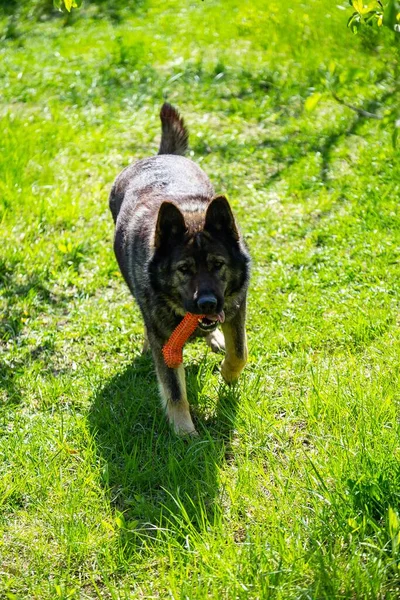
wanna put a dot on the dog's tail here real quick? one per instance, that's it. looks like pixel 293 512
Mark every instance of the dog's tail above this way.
pixel 174 139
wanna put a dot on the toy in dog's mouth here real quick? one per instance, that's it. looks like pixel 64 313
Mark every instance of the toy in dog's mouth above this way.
pixel 172 349
pixel 210 322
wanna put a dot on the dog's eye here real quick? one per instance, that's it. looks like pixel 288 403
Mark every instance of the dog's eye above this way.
pixel 218 265
pixel 184 269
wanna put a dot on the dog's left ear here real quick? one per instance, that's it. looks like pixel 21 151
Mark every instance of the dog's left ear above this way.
pixel 170 226
pixel 220 219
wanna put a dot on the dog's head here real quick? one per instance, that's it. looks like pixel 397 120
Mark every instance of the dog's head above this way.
pixel 199 260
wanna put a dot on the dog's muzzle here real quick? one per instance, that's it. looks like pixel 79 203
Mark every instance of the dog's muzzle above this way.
pixel 210 322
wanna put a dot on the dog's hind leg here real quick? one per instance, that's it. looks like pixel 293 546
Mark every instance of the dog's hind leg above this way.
pixel 172 386
pixel 216 341
pixel 236 346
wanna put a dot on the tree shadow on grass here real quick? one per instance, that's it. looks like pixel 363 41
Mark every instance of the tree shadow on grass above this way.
pixel 155 478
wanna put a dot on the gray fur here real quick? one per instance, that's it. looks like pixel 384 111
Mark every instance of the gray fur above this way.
pixel 166 214
pixel 174 139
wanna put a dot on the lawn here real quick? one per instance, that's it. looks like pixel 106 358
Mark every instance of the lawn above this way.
pixel 292 490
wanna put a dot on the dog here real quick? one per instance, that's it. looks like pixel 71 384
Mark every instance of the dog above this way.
pixel 180 250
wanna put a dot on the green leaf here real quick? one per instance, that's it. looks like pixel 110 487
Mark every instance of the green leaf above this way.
pixel 395 136
pixel 353 524
pixel 394 522
pixel 354 22
pixel 389 14
pixel 312 101
pixel 120 520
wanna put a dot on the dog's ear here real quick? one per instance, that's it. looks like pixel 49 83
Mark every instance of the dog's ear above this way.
pixel 220 219
pixel 170 226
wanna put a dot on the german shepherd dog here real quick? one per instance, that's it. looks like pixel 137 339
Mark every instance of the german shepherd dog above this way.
pixel 180 250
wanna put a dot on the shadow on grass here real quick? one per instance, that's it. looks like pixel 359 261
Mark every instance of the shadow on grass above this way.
pixel 155 479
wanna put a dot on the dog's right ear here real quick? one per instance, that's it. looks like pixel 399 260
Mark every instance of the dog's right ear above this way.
pixel 220 219
pixel 170 226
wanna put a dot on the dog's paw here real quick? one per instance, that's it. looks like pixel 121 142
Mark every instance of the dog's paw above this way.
pixel 230 371
pixel 180 419
pixel 216 341
pixel 186 431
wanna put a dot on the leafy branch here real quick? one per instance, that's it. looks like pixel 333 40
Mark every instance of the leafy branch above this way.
pixel 375 13
pixel 360 111
pixel 68 4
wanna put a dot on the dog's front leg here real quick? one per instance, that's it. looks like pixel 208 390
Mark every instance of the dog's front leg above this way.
pixel 173 394
pixel 235 346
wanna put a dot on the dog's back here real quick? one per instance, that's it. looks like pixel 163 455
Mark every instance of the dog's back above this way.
pixel 167 176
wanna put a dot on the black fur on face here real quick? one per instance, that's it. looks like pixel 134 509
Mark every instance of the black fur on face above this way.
pixel 195 259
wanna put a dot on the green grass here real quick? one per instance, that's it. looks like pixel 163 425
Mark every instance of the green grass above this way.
pixel 292 490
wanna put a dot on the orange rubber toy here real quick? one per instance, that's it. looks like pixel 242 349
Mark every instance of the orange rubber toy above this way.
pixel 172 350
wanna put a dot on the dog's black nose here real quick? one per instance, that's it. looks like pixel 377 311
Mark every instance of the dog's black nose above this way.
pixel 207 304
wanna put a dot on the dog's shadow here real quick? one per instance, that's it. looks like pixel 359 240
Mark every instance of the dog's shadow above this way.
pixel 154 477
